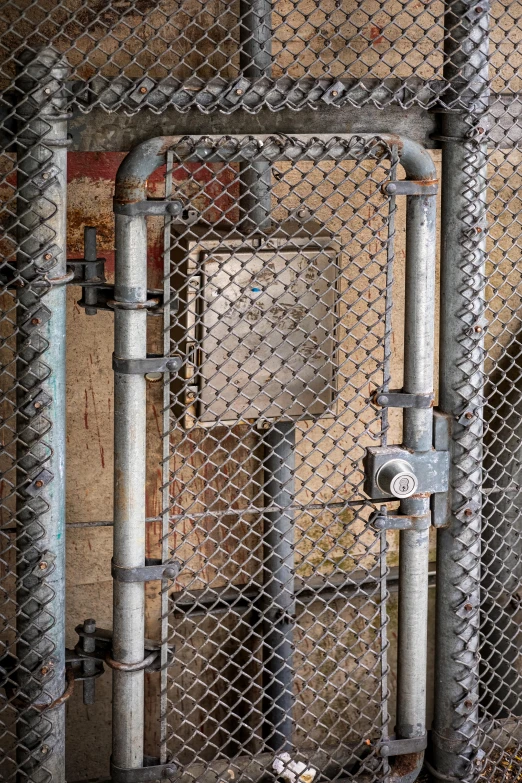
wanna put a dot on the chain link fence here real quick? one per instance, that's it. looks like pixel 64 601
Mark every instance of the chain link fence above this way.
pixel 278 289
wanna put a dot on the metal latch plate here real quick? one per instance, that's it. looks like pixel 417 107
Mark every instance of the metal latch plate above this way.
pixel 431 469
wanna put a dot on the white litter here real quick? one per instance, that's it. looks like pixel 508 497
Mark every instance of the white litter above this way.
pixel 293 771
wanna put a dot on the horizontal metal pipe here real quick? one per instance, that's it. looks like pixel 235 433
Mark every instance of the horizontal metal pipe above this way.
pixel 145 158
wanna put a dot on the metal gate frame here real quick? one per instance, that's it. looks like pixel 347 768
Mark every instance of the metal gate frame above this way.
pixel 131 363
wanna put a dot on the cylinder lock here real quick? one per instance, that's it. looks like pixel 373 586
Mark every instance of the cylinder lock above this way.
pixel 397 479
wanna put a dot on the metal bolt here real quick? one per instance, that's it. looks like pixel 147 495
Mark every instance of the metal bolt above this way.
pixel 44 750
pixel 45 175
pixel 48 256
pixel 47 91
pixel 39 484
pixel 265 425
pixel 170 572
pixel 143 90
pixel 382 399
pixel 391 187
pixel 478 229
pixel 46 668
pixel 478 329
pixel 468 704
pixel 468 415
pixel 334 93
pixel 239 91
pixel 37 405
pixel 43 565
pixel 89 666
pixel 169 772
pixel 191 397
pixel 468 512
pixel 36 321
pixel 468 607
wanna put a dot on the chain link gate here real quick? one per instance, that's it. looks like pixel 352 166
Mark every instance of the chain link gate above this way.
pixel 276 326
pixel 446 69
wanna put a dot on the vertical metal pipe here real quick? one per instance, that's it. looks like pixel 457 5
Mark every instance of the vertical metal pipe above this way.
pixel 255 60
pixel 461 379
pixel 455 729
pixel 42 183
pixel 278 584
pixel 130 342
pixel 417 435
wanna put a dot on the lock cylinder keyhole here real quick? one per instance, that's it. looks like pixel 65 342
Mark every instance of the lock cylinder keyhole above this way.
pixel 397 479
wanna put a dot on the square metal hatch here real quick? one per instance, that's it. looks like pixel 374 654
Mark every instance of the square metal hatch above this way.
pixel 262 322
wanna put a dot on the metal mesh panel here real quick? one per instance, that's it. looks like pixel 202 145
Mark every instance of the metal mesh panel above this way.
pixel 227 55
pixel 278 616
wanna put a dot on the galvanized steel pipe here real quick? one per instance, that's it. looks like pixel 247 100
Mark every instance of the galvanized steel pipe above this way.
pixel 278 599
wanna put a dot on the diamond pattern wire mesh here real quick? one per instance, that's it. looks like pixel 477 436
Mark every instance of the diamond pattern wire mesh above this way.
pixel 278 617
pixel 137 53
pixel 132 55
pixel 28 633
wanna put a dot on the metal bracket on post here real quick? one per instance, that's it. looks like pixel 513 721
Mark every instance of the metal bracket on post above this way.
pixel 152 364
pixel 408 187
pixel 403 747
pixel 384 521
pixel 396 398
pixel 152 570
pixel 152 208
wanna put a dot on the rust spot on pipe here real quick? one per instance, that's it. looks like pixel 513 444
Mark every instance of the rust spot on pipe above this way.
pixel 405 765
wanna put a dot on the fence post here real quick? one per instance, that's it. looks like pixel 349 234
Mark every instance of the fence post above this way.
pixel 455 733
pixel 41 302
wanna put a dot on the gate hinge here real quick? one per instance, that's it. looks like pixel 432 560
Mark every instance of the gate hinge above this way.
pixel 94 648
pixel 402 747
pixel 393 472
pixel 97 294
pixel 409 187
pixel 152 570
